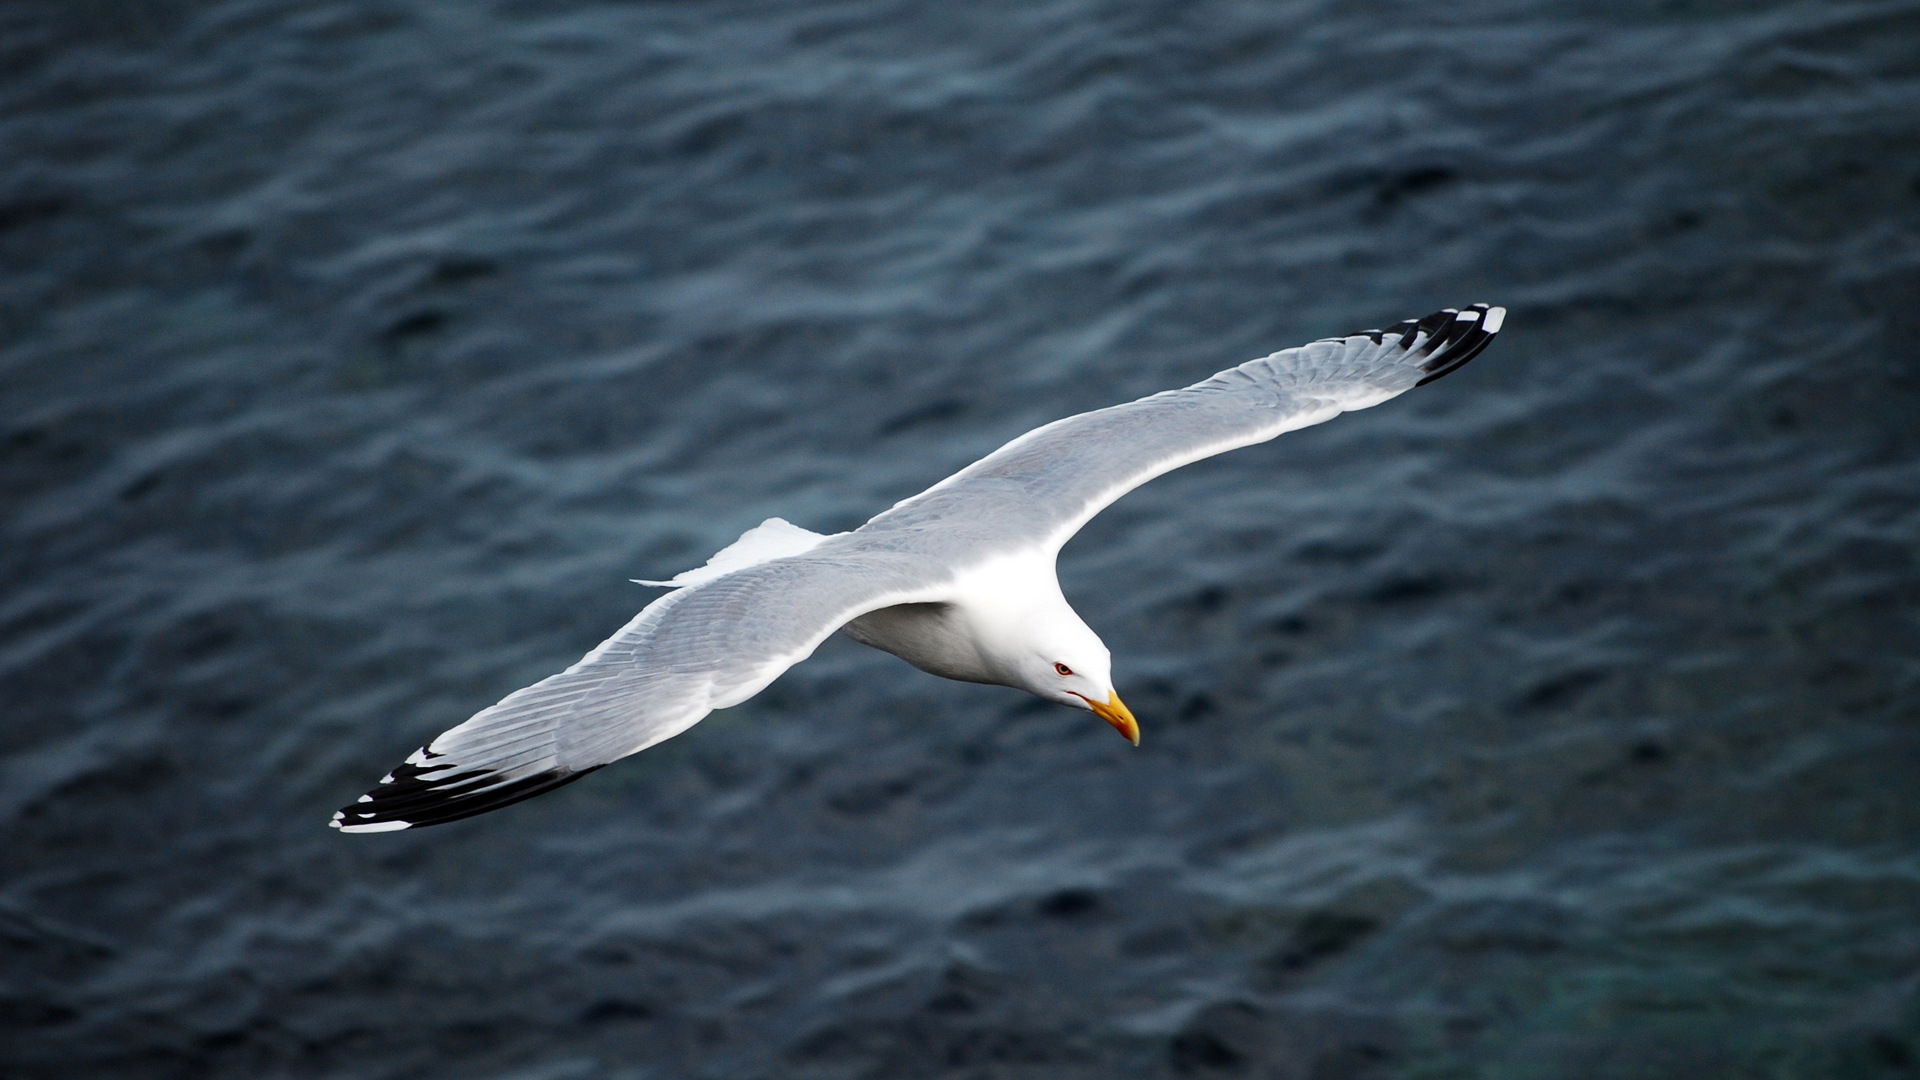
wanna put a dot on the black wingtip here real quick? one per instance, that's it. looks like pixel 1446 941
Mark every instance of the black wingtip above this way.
pixel 421 793
pixel 1453 337
pixel 1444 341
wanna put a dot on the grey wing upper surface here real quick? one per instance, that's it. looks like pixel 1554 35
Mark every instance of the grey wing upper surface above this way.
pixel 719 642
pixel 689 652
pixel 1043 486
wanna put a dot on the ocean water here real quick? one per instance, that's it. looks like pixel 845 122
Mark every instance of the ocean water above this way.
pixel 1557 720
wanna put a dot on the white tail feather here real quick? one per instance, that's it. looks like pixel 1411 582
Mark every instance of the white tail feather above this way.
pixel 774 538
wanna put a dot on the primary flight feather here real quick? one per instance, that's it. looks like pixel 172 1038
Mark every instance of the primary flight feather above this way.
pixel 957 580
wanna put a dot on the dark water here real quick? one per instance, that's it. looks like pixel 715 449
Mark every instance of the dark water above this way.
pixel 1557 720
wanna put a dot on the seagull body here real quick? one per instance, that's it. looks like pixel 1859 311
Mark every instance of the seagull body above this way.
pixel 958 580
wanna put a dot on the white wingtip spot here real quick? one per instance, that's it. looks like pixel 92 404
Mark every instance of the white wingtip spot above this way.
pixel 1495 316
pixel 366 798
pixel 1466 316
pixel 373 827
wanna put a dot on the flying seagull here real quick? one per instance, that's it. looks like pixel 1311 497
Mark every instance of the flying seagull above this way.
pixel 957 580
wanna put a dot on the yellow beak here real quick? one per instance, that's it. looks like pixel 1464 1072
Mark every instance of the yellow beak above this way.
pixel 1115 712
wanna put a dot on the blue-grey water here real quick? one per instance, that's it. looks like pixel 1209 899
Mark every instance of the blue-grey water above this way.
pixel 1557 720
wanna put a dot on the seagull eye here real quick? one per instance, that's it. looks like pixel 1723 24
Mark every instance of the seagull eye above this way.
pixel 1062 669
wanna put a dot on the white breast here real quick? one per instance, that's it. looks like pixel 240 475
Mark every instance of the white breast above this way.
pixel 980 634
pixel 936 638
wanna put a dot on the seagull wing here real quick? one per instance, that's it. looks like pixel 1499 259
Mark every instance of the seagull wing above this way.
pixel 1046 484
pixel 691 651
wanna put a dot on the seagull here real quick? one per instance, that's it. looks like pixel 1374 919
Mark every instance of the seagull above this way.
pixel 958 580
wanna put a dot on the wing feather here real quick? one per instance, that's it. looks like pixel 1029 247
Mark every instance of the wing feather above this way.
pixel 1048 483
pixel 691 651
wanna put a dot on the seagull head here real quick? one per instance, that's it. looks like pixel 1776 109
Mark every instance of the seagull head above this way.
pixel 1069 664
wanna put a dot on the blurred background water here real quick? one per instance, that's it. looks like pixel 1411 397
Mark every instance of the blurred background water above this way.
pixel 1557 720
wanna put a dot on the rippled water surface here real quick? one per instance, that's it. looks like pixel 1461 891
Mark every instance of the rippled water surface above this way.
pixel 1557 720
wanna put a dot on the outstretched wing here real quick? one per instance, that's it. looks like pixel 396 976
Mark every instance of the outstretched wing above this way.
pixel 1049 482
pixel 691 651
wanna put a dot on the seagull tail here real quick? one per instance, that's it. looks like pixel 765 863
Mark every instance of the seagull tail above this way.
pixel 774 538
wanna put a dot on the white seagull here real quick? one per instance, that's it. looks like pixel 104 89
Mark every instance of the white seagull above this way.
pixel 957 580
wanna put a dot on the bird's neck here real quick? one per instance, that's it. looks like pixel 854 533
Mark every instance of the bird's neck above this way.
pixel 1010 607
pixel 988 630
